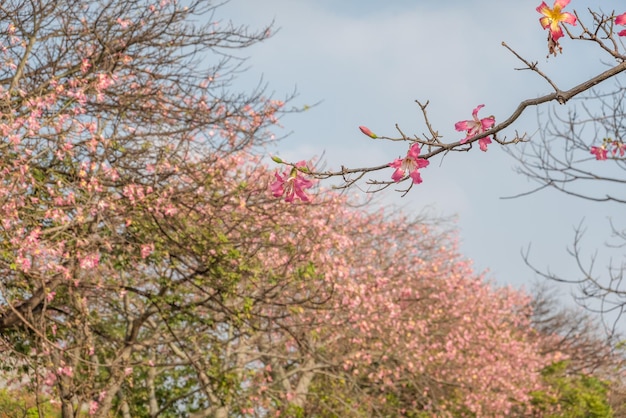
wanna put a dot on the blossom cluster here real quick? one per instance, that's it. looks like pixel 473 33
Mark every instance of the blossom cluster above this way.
pixel 412 163
pixel 615 147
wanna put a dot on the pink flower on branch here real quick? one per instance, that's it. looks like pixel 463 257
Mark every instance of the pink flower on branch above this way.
pixel 553 17
pixel 619 147
pixel 608 145
pixel 291 183
pixel 621 20
pixel 599 152
pixel 411 163
pixel 476 127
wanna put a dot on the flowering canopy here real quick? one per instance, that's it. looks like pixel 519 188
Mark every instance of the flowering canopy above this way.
pixel 411 163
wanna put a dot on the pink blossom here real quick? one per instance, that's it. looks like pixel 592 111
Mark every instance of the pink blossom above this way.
pixel 367 132
pixel 599 152
pixel 89 261
pixel 146 250
pixel 621 20
pixel 50 379
pixel 411 163
pixel 553 17
pixel 65 371
pixel 619 147
pixel 476 127
pixel 85 65
pixel 24 263
pixel 93 407
pixel 291 183
pixel 124 23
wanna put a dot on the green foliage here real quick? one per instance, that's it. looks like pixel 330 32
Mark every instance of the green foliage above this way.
pixel 20 404
pixel 572 395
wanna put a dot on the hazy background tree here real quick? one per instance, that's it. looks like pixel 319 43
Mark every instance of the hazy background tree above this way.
pixel 581 153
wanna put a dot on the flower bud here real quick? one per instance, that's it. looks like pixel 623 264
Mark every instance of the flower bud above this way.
pixel 367 132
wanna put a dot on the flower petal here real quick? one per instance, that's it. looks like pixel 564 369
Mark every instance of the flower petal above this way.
pixel 543 9
pixel 397 175
pixel 414 151
pixel 397 163
pixel 475 111
pixel 555 31
pixel 415 175
pixel 487 123
pixel 561 3
pixel 545 22
pixel 483 142
pixel 462 126
pixel 421 163
pixel 568 18
pixel 621 19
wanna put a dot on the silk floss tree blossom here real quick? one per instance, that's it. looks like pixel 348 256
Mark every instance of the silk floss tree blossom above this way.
pixel 411 164
pixel 475 127
pixel 552 19
pixel 600 152
pixel 616 147
pixel 291 183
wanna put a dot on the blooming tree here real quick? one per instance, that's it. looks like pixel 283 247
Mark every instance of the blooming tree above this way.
pixel 148 268
pixel 115 115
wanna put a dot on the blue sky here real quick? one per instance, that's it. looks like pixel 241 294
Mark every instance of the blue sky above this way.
pixel 367 61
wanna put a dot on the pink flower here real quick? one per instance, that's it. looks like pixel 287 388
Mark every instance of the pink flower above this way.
pixel 621 20
pixel 619 147
pixel 93 407
pixel 146 250
pixel 553 17
pixel 599 152
pixel 89 261
pixel 367 132
pixel 291 184
pixel 476 127
pixel 65 371
pixel 411 163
